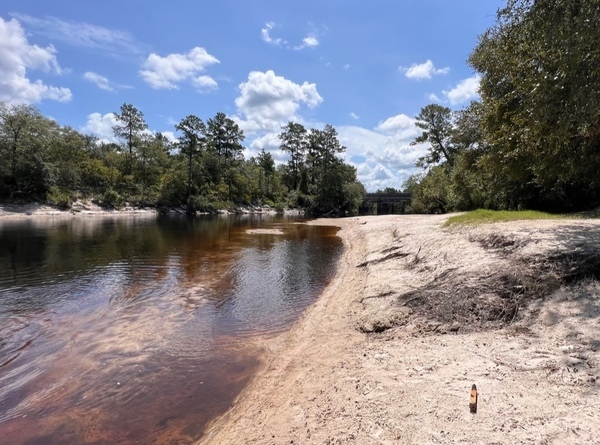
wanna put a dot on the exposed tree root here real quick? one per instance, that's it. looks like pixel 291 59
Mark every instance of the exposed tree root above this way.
pixel 388 257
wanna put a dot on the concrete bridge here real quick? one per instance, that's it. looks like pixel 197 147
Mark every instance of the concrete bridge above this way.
pixel 386 202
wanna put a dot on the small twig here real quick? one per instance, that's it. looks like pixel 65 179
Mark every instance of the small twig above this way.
pixel 412 299
pixel 510 365
pixel 515 313
pixel 381 260
pixel 416 259
pixel 390 249
pixel 381 295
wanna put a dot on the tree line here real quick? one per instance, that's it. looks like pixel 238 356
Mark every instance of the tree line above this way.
pixel 203 170
pixel 533 139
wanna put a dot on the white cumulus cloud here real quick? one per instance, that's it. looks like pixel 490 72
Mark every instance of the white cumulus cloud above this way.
pixel 424 70
pixel 381 173
pixel 169 135
pixel 270 143
pixel 17 56
pixel 170 71
pixel 205 83
pixel 267 101
pixel 265 34
pixel 383 156
pixel 310 41
pixel 100 125
pixel 399 123
pixel 100 81
pixel 466 90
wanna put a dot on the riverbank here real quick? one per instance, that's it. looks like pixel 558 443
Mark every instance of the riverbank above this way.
pixel 418 313
pixel 19 211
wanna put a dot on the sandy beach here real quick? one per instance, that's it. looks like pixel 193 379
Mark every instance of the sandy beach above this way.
pixel 38 210
pixel 416 315
pixel 87 208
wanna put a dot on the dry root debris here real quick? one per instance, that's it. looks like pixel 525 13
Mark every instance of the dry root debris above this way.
pixel 457 301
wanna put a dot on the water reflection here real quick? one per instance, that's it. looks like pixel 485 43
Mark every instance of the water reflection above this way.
pixel 133 329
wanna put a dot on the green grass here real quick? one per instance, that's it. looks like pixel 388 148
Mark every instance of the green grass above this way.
pixel 481 216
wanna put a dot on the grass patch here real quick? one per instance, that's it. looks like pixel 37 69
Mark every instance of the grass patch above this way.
pixel 481 216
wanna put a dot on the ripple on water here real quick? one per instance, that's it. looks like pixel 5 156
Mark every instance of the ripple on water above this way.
pixel 140 335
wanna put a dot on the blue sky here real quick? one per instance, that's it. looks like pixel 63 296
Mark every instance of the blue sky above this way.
pixel 365 67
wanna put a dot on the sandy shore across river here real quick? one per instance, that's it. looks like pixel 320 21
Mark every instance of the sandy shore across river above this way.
pixel 416 315
pixel 37 211
pixel 89 209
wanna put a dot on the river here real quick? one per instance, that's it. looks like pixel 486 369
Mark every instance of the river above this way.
pixel 143 329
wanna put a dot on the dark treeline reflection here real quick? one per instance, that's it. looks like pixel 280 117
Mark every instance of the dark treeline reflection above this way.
pixel 34 252
pixel 107 322
pixel 77 244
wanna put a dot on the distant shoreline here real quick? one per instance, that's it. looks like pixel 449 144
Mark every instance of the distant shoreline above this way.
pixel 37 210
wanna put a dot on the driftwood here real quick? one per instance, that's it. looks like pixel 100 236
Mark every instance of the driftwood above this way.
pixel 388 257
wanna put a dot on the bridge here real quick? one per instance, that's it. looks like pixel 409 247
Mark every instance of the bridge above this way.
pixel 386 202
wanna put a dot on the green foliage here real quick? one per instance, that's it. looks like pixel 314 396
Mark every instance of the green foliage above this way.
pixel 429 191
pixel 316 177
pixel 437 125
pixel 149 163
pixel 467 184
pixel 224 136
pixel 295 199
pixel 191 143
pixel 294 140
pixel 25 137
pixel 60 198
pixel 205 204
pixel 534 139
pixel 205 170
pixel 130 127
pixel 173 190
pixel 539 66
pixel 111 198
pixel 481 216
pixel 354 196
pixel 389 190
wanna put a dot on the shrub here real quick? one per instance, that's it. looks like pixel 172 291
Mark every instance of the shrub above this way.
pixel 204 204
pixel 59 197
pixel 111 198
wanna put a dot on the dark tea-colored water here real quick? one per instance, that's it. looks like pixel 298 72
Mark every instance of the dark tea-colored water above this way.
pixel 141 329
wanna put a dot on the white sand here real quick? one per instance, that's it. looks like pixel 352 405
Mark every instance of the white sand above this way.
pixel 325 382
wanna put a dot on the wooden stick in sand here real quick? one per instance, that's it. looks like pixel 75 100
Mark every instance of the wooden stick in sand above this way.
pixel 473 399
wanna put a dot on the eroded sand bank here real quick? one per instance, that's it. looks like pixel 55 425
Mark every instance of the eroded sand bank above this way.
pixel 414 316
